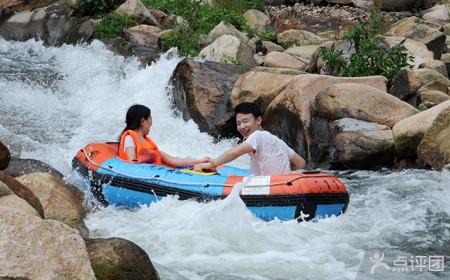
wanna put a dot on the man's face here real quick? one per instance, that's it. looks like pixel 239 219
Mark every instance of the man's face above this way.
pixel 247 124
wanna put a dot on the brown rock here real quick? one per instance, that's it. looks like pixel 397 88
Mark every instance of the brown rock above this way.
pixel 60 202
pixel 405 84
pixel 422 31
pixel 285 60
pixel 362 102
pixel 289 114
pixel 202 92
pixel 259 87
pixel 19 166
pixel 23 192
pixel 433 97
pixel 120 259
pixel 409 132
pixel 5 156
pixel 143 38
pixel 33 248
pixel 435 147
pixel 365 149
pixel 17 205
pixel 20 5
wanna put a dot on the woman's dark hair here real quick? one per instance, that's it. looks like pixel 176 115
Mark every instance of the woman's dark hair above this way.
pixel 134 116
pixel 248 108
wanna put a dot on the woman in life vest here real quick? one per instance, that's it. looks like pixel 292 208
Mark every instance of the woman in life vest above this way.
pixel 135 145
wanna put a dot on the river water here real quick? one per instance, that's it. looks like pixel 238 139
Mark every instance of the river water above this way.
pixel 54 101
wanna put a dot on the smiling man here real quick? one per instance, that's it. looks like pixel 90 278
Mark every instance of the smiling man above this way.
pixel 269 154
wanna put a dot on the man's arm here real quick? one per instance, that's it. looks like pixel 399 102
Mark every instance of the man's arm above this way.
pixel 297 162
pixel 226 157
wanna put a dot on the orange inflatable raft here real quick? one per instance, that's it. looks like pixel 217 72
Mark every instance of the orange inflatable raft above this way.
pixel 301 196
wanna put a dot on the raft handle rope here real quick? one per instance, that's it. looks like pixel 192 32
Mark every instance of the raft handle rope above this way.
pixel 287 182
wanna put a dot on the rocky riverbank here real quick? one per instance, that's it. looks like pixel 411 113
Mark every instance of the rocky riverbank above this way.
pixel 334 122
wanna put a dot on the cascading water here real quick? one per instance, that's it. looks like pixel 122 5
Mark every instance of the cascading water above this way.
pixel 54 101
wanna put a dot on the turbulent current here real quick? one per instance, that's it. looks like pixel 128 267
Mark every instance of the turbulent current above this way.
pixel 55 101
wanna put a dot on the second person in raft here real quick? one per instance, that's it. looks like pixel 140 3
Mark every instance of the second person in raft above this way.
pixel 269 154
pixel 135 145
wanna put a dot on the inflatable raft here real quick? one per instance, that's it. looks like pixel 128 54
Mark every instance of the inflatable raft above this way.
pixel 302 196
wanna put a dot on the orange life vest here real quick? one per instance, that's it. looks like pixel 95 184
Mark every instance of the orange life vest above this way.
pixel 141 143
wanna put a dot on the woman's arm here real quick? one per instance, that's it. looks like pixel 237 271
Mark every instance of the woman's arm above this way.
pixel 131 153
pixel 177 161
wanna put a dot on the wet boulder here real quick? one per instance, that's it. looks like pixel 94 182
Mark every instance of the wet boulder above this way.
pixel 364 149
pixel 19 166
pixel 201 92
pixel 117 258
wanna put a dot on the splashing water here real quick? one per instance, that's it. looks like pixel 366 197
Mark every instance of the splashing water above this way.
pixel 54 101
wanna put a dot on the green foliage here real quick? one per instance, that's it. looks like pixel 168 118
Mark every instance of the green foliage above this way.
pixel 95 7
pixel 239 6
pixel 201 19
pixel 112 25
pixel 184 39
pixel 372 55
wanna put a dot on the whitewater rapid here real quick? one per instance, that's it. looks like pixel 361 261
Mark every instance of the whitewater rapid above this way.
pixel 54 101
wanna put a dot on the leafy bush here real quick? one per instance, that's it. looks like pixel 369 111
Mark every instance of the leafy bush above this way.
pixel 112 25
pixel 372 55
pixel 201 19
pixel 94 8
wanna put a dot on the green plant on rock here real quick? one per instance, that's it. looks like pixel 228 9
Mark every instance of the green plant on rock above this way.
pixel 231 59
pixel 201 19
pixel 372 55
pixel 112 25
